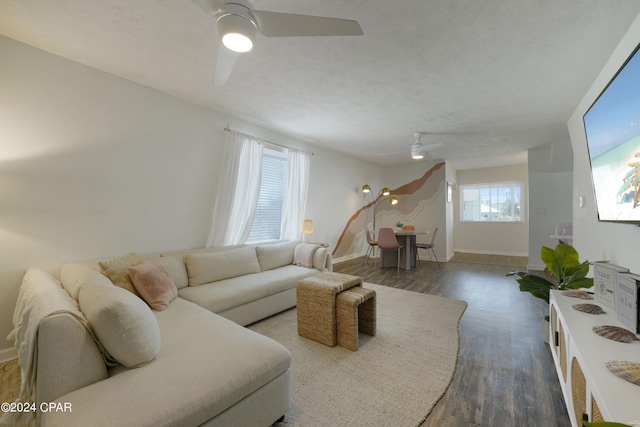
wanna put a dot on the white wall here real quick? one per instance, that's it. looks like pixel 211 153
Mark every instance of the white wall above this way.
pixel 94 166
pixel 550 195
pixel 491 238
pixel 618 243
pixel 451 176
pixel 428 215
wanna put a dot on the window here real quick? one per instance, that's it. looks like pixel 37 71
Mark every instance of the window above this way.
pixel 495 202
pixel 273 187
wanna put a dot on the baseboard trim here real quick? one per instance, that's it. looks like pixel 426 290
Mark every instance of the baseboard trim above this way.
pixel 482 252
pixel 348 257
pixel 8 354
pixel 354 256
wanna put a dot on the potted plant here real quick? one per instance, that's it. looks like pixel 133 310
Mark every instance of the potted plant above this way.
pixel 564 265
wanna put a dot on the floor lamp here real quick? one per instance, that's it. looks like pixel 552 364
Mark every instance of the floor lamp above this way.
pixel 383 193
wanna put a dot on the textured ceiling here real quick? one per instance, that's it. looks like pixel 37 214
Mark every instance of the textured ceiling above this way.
pixel 485 78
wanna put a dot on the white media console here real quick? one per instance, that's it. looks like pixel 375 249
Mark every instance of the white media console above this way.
pixel 590 389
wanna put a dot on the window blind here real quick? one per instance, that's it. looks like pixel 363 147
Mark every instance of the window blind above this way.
pixel 267 221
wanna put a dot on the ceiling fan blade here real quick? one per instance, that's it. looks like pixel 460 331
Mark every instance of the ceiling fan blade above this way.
pixel 212 7
pixel 429 157
pixel 224 64
pixel 390 153
pixel 432 146
pixel 276 24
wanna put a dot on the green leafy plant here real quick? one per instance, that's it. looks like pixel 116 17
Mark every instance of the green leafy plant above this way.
pixel 399 224
pixel 564 265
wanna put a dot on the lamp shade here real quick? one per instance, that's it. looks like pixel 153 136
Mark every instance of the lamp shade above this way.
pixel 366 188
pixel 386 191
pixel 393 200
pixel 307 227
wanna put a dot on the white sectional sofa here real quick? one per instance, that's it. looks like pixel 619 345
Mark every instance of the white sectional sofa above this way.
pixel 102 352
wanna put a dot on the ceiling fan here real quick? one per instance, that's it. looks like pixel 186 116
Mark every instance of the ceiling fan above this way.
pixel 418 149
pixel 238 23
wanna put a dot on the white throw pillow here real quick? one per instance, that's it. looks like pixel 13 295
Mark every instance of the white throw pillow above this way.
pixel 123 323
pixel 74 276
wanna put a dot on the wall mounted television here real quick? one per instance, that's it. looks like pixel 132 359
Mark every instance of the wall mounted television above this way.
pixel 612 128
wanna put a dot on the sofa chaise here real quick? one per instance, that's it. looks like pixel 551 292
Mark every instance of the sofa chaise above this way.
pixel 103 357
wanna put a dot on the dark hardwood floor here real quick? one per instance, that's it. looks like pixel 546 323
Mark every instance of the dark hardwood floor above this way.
pixel 505 375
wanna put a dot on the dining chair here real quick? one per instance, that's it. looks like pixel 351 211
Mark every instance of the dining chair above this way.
pixel 387 242
pixel 429 247
pixel 372 246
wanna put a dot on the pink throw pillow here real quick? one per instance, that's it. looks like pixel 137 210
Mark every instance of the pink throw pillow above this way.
pixel 154 283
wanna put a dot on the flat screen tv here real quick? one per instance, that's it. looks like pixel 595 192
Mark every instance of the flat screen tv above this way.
pixel 612 127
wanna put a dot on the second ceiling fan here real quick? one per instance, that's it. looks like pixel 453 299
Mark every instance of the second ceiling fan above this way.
pixel 238 23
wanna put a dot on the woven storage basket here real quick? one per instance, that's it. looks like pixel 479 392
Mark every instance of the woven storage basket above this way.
pixel 596 415
pixel 553 324
pixel 578 390
pixel 563 352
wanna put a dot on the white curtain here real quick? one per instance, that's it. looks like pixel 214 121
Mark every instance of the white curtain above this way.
pixel 296 197
pixel 238 192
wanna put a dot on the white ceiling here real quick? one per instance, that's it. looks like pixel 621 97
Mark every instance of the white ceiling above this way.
pixel 486 78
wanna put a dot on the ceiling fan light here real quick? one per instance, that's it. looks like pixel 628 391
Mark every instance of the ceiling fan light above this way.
pixel 238 32
pixel 417 152
pixel 237 42
pixel 386 191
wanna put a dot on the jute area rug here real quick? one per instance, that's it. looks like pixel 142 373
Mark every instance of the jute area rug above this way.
pixel 394 379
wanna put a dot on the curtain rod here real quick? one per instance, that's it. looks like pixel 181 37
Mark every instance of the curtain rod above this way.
pixel 228 129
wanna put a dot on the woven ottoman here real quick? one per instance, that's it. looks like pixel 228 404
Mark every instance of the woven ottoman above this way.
pixel 355 311
pixel 316 301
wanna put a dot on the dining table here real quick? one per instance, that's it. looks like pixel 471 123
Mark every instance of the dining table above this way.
pixel 406 238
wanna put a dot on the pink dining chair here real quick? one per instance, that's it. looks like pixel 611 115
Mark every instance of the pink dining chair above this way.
pixel 387 242
pixel 372 246
pixel 429 247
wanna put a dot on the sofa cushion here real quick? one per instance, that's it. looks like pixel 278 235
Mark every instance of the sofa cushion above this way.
pixel 176 268
pixel 209 267
pixel 320 259
pixel 276 255
pixel 123 323
pixel 207 365
pixel 228 293
pixel 117 270
pixel 154 283
pixel 73 276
